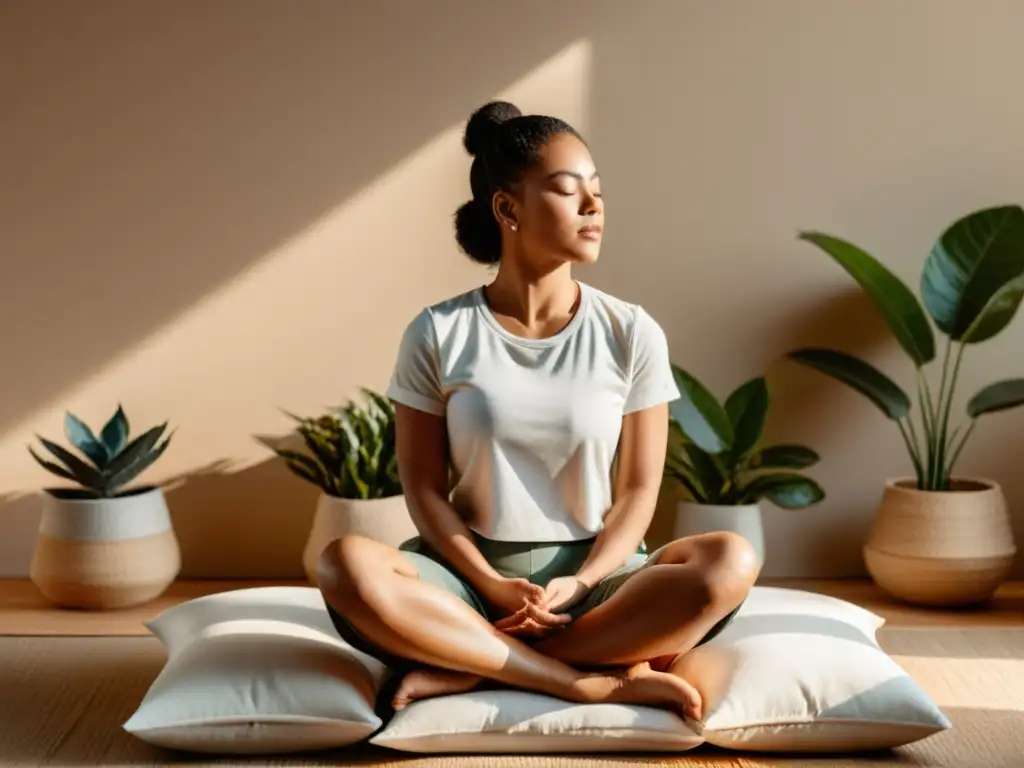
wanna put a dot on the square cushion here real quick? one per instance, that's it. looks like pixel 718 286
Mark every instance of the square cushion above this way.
pixel 801 672
pixel 795 671
pixel 509 721
pixel 258 670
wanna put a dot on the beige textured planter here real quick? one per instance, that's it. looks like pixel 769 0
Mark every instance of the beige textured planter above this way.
pixel 384 520
pixel 949 548
pixel 105 553
pixel 744 519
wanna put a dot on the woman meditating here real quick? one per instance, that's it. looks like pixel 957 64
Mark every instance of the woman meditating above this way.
pixel 532 425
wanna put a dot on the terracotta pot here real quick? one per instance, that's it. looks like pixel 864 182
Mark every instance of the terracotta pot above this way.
pixel 941 548
pixel 744 519
pixel 105 553
pixel 384 520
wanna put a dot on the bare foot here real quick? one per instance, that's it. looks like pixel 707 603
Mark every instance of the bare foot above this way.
pixel 424 683
pixel 642 685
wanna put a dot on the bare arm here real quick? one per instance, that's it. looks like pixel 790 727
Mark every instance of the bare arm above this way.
pixel 422 450
pixel 638 478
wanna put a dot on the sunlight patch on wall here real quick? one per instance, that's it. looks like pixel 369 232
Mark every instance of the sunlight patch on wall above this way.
pixel 310 321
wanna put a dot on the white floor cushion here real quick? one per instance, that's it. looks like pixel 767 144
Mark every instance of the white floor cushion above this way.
pixel 801 672
pixel 520 722
pixel 257 671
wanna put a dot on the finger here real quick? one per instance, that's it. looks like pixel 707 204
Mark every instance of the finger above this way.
pixel 531 629
pixel 512 619
pixel 547 617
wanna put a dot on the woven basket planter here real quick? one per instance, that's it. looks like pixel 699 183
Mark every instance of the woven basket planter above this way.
pixel 385 520
pixel 941 548
pixel 105 553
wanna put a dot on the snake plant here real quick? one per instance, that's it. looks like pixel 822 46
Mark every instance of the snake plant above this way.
pixel 971 286
pixel 350 450
pixel 108 462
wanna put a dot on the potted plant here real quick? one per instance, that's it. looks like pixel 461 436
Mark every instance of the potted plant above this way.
pixel 351 457
pixel 938 538
pixel 715 453
pixel 104 543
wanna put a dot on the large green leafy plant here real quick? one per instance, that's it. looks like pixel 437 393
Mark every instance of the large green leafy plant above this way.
pixel 351 450
pixel 108 462
pixel 971 286
pixel 715 450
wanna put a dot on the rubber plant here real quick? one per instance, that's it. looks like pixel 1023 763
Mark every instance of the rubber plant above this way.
pixel 715 449
pixel 350 449
pixel 971 287
pixel 106 463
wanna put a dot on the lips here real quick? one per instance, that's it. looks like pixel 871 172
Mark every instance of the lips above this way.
pixel 590 233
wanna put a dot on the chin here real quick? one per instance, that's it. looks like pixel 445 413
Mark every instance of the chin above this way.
pixel 583 254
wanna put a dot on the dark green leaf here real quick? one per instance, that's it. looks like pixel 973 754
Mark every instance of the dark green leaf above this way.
pixel 115 432
pixel 680 468
pixel 969 263
pixel 784 457
pixel 84 474
pixel 700 415
pixel 688 484
pixel 56 469
pixel 137 467
pixel 890 295
pixel 785 489
pixel 997 314
pixel 707 473
pixel 1000 396
pixel 80 436
pixel 135 450
pixel 747 408
pixel 305 467
pixel 861 376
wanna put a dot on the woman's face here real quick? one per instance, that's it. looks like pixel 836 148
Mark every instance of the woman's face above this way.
pixel 558 207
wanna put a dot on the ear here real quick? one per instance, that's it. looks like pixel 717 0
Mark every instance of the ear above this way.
pixel 505 209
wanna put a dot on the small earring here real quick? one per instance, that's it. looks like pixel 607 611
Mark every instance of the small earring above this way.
pixel 515 227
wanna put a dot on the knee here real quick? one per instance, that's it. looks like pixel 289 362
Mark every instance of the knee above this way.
pixel 729 567
pixel 344 568
pixel 719 568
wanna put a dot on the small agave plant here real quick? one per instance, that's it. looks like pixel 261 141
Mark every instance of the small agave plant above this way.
pixel 108 462
pixel 351 450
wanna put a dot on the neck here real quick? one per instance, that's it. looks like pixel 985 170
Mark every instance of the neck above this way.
pixel 532 298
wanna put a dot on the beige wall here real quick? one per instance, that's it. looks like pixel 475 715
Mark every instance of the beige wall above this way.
pixel 212 210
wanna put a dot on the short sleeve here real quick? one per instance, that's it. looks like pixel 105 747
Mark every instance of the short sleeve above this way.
pixel 651 380
pixel 416 379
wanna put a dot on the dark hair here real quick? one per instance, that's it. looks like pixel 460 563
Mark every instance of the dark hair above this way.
pixel 504 144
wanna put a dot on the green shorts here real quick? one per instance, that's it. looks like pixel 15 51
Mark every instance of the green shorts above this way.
pixel 537 561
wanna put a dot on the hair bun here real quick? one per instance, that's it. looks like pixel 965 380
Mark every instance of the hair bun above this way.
pixel 483 124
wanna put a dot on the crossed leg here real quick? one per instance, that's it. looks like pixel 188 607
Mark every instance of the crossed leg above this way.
pixel 658 615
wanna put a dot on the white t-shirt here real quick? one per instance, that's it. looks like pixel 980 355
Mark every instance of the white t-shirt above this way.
pixel 533 424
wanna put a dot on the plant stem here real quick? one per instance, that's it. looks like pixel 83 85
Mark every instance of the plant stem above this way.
pixel 915 449
pixel 960 447
pixel 913 453
pixel 943 473
pixel 939 436
pixel 927 420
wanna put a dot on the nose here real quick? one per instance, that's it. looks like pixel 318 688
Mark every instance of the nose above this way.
pixel 590 203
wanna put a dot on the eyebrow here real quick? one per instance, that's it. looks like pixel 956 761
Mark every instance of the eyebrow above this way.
pixel 571 173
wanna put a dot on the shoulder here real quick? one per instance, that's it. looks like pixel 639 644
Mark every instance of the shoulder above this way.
pixel 435 321
pixel 627 321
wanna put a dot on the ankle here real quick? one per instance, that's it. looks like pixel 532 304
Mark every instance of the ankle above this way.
pixel 594 688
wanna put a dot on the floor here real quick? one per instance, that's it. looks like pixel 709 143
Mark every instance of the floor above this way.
pixel 24 611
pixel 66 691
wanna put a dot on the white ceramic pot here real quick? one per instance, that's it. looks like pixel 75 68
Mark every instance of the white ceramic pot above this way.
pixel 105 553
pixel 744 519
pixel 941 548
pixel 384 520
